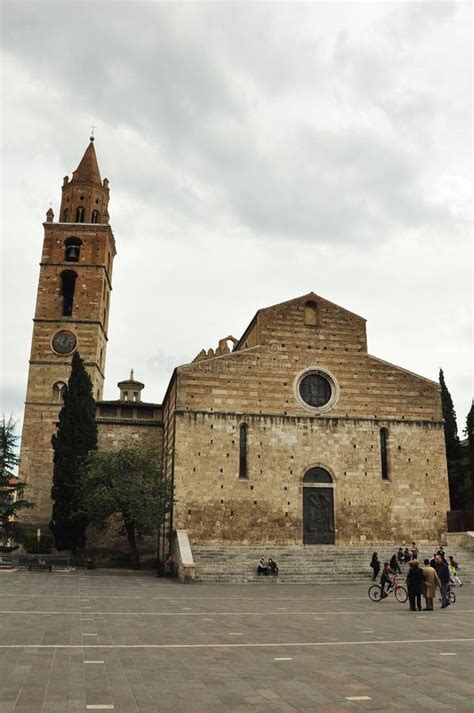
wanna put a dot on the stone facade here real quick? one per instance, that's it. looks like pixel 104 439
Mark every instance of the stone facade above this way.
pixel 118 422
pixel 257 384
pixel 291 434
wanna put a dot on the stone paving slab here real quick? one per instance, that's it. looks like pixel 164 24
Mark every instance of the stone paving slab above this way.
pixel 77 640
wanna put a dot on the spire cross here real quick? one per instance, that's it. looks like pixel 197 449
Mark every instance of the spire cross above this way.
pixel 92 133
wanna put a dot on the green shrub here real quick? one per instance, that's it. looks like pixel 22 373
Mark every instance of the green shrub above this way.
pixel 43 547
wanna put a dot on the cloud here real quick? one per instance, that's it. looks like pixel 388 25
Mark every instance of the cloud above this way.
pixel 251 108
pixel 256 151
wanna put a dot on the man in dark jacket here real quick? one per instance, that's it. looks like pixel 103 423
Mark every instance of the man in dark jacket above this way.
pixel 442 570
pixel 415 581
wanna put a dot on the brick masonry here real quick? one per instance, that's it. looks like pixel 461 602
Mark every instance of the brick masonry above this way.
pixel 257 385
pixel 87 323
pixel 254 381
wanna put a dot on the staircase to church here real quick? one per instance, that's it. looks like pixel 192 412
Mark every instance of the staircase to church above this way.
pixel 310 564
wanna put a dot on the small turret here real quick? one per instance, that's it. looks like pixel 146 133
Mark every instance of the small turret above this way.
pixel 130 390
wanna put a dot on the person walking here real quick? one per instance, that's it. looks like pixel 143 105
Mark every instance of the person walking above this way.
pixel 394 566
pixel 442 570
pixel 415 581
pixel 375 564
pixel 414 551
pixel 431 581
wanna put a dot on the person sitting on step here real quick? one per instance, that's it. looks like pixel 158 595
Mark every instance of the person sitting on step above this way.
pixel 263 568
pixel 273 567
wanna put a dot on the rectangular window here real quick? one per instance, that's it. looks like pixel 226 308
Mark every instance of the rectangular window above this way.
pixel 142 413
pixel 243 451
pixel 109 411
pixel 383 453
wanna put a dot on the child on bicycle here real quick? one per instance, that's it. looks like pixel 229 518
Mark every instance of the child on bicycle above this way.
pixel 453 571
pixel 385 578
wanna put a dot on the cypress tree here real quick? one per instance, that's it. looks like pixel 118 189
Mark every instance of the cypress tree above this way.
pixel 468 461
pixel 453 447
pixel 470 435
pixel 450 424
pixel 76 437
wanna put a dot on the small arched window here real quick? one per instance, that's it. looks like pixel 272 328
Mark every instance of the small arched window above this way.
pixel 384 453
pixel 311 313
pixel 243 437
pixel 59 389
pixel 66 215
pixel 317 475
pixel 80 214
pixel 68 285
pixel 72 249
pixel 95 216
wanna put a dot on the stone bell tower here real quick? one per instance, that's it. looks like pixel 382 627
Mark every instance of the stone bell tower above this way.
pixel 72 314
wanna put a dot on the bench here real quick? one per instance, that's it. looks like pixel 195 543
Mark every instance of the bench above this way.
pixel 44 562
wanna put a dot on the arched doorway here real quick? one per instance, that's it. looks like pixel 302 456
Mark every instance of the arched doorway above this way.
pixel 318 507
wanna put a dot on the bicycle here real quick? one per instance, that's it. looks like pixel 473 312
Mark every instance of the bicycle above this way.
pixel 376 594
pixel 451 596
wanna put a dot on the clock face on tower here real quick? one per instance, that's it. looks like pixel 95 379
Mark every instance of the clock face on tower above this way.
pixel 64 342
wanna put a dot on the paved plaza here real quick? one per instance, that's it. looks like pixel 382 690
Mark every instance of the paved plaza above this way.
pixel 129 643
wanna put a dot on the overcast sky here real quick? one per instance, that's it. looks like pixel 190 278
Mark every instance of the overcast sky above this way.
pixel 255 152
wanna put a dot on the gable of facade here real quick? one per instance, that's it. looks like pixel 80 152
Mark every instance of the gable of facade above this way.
pixel 308 333
pixel 379 436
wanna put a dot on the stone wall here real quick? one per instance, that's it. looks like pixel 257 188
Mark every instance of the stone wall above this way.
pixel 111 434
pixel 258 385
pixel 213 504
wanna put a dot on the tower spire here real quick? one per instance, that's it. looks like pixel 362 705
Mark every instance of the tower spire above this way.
pixel 85 197
pixel 88 169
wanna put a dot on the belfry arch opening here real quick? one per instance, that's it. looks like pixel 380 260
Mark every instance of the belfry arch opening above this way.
pixel 68 286
pixel 59 389
pixel 72 249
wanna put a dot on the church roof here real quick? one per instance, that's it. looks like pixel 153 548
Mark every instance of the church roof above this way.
pixel 88 169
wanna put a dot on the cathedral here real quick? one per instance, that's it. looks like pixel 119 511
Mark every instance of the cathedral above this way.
pixel 291 434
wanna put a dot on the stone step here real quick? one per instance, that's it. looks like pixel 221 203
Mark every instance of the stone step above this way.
pixel 304 564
